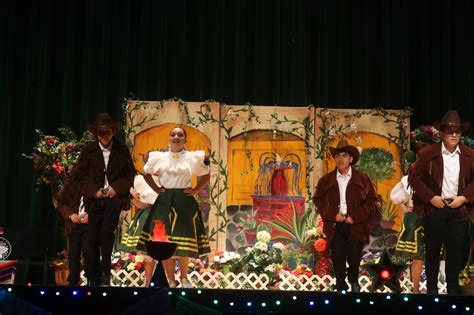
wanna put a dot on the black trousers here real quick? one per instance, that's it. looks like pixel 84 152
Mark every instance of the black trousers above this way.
pixel 444 226
pixel 103 220
pixel 77 243
pixel 344 248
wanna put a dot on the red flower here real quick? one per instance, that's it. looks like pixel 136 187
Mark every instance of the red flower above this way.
pixel 51 140
pixel 58 168
pixel 320 245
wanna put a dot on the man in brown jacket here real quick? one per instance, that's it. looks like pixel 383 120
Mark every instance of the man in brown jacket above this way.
pixel 104 174
pixel 442 179
pixel 349 206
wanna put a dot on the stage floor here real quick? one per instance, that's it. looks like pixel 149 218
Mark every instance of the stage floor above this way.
pixel 17 299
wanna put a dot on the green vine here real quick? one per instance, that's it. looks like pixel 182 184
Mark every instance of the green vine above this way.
pixel 131 129
pixel 304 129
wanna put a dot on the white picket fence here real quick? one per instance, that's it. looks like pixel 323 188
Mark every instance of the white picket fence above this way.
pixel 218 280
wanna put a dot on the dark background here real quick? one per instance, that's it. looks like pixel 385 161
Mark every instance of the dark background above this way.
pixel 62 62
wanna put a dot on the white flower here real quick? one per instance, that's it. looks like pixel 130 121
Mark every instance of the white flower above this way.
pixel 139 258
pixel 131 266
pixel 217 259
pixel 270 268
pixel 261 246
pixel 311 232
pixel 264 236
pixel 278 246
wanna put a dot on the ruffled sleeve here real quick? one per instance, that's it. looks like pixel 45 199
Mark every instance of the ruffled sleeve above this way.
pixel 154 163
pixel 400 192
pixel 196 160
pixel 147 194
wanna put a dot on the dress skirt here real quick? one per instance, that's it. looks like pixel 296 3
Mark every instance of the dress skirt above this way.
pixel 410 243
pixel 183 221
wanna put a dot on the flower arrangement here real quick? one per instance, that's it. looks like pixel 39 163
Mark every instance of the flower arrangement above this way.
pixel 223 261
pixel 465 276
pixel 127 261
pixel 54 156
pixel 263 257
pixel 424 135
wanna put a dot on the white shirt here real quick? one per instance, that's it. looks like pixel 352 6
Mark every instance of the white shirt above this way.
pixel 176 170
pixel 342 181
pixel 106 154
pixel 82 209
pixel 450 172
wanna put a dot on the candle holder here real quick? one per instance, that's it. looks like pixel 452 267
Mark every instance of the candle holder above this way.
pixel 160 251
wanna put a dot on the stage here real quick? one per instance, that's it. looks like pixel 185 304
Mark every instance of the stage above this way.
pixel 16 299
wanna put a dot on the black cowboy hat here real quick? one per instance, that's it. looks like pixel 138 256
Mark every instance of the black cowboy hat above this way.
pixel 104 121
pixel 343 146
pixel 451 120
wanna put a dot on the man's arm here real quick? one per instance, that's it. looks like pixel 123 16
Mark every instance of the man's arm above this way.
pixel 327 212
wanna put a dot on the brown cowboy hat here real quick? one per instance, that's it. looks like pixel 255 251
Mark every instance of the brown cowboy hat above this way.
pixel 343 146
pixel 104 121
pixel 451 120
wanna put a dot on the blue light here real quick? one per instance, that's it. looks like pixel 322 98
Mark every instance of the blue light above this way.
pixel 183 293
pixel 294 297
pixel 42 292
pixel 343 292
pixel 371 302
pixel 436 299
pixel 199 291
pixel 277 302
pixel 216 302
pixel 388 297
pixel 9 289
pixel 468 308
pixel 311 303
pixel 135 293
pixel 169 293
pixel 74 292
pixel 420 307
pixel 405 299
pixel 453 307
pixel 104 294
pixel 264 304
pixel 249 304
pixel 57 293
pixel 152 284
pixel 231 303
pixel 326 302
pixel 358 300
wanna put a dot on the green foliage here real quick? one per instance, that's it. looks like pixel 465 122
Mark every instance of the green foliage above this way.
pixel 377 163
pixel 389 210
pixel 293 227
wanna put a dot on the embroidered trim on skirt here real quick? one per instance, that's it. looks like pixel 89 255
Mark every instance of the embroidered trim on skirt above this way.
pixel 411 244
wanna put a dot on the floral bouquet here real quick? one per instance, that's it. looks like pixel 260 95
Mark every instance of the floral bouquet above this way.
pixel 54 156
pixel 223 261
pixel 127 261
pixel 263 257
pixel 424 135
